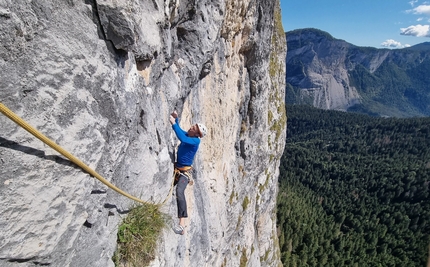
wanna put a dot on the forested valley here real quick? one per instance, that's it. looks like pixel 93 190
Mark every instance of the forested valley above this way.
pixel 354 190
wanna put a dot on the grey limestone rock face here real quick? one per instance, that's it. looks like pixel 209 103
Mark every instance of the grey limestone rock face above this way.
pixel 327 80
pixel 100 79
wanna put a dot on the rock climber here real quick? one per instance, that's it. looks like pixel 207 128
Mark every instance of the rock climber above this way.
pixel 187 149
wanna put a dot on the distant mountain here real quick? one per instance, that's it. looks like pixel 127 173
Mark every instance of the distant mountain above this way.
pixel 329 73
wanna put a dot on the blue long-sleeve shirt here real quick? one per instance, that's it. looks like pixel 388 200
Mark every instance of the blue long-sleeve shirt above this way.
pixel 188 147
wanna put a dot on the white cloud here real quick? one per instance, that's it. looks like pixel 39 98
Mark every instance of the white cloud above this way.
pixel 422 9
pixel 392 44
pixel 416 30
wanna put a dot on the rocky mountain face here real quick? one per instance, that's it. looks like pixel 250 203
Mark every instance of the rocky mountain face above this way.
pixel 329 73
pixel 100 78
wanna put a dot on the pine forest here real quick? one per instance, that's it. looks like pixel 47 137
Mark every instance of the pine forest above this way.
pixel 354 190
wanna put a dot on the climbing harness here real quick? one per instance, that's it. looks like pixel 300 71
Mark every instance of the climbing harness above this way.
pixel 186 171
pixel 176 173
pixel 15 118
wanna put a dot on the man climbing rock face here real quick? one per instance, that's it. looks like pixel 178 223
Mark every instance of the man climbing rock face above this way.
pixel 187 149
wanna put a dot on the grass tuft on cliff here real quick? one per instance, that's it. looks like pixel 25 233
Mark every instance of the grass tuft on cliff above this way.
pixel 138 235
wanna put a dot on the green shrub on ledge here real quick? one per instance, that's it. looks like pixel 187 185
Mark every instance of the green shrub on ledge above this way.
pixel 138 235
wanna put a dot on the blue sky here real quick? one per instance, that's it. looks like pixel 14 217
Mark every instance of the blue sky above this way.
pixel 375 23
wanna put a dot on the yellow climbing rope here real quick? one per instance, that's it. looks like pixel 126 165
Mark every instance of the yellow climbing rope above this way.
pixel 15 118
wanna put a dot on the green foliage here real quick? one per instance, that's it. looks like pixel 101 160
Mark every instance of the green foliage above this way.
pixel 232 196
pixel 354 190
pixel 404 91
pixel 245 203
pixel 270 116
pixel 138 235
pixel 276 109
pixel 243 258
pixel 277 44
pixel 262 187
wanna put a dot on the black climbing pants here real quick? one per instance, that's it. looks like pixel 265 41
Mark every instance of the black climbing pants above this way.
pixel 180 196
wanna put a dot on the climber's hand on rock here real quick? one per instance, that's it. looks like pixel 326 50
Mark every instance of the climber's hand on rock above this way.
pixel 172 119
pixel 174 114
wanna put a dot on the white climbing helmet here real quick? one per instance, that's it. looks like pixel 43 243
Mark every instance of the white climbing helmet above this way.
pixel 202 128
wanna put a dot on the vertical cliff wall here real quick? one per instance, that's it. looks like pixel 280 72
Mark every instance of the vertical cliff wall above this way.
pixel 100 78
